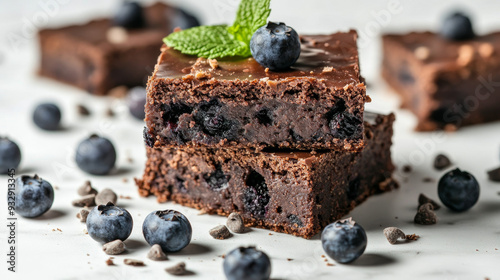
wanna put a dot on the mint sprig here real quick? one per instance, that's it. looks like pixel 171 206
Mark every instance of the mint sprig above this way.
pixel 220 40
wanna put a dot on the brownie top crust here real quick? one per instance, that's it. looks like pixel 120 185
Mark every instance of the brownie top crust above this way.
pixel 330 58
pixel 432 48
pixel 95 33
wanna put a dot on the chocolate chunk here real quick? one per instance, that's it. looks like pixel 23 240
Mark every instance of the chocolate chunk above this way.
pixel 235 223
pixel 86 189
pixel 178 269
pixel 82 110
pixel 85 201
pixel 441 162
pixel 114 247
pixel 423 199
pixel 494 175
pixel 393 234
pixel 425 215
pixel 82 215
pixel 133 262
pixel 106 196
pixel 156 253
pixel 220 232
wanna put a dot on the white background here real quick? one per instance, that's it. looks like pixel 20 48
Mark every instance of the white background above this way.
pixel 460 246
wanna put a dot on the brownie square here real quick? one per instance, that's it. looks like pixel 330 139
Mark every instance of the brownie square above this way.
pixel 317 104
pixel 296 192
pixel 446 84
pixel 86 57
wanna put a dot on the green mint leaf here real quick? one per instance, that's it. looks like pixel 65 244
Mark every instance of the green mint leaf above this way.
pixel 220 40
pixel 251 15
pixel 206 41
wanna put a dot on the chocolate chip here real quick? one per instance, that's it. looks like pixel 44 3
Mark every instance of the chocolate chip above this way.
pixel 494 175
pixel 114 247
pixel 422 199
pixel 393 234
pixel 425 215
pixel 82 110
pixel 82 215
pixel 156 253
pixel 133 262
pixel 220 232
pixel 106 196
pixel 85 201
pixel 441 162
pixel 178 269
pixel 86 189
pixel 235 223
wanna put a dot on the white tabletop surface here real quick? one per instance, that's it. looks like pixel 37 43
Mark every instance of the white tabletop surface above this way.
pixel 460 246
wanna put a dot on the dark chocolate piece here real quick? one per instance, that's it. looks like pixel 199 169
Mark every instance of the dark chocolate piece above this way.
pixel 423 199
pixel 494 175
pixel 441 162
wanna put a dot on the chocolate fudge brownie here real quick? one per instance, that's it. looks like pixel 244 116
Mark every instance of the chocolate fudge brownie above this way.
pixel 293 192
pixel 97 57
pixel 445 83
pixel 317 104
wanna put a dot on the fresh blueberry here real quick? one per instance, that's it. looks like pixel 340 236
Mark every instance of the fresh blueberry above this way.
pixel 346 125
pixel 33 196
pixel 247 263
pixel 106 223
pixel 217 180
pixel 458 190
pixel 457 27
pixel 169 229
pixel 136 101
pixel 96 155
pixel 275 46
pixel 256 197
pixel 129 15
pixel 10 155
pixel 183 20
pixel 212 121
pixel 47 116
pixel 344 241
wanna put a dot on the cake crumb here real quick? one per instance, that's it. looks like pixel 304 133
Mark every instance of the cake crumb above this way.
pixel 110 261
pixel 407 168
pixel 125 196
pixel 133 262
pixel 412 237
pixel 289 259
pixel 327 69
pixel 330 264
pixel 82 110
pixel 465 55
pixel 213 63
pixel 428 180
pixel 422 53
pixel 125 180
pixel 117 35
pixel 486 50
pixel 202 75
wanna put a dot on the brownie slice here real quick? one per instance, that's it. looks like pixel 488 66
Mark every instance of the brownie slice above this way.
pixel 293 192
pixel 317 104
pixel 92 58
pixel 446 84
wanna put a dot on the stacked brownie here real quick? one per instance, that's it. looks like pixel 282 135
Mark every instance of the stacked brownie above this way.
pixel 290 151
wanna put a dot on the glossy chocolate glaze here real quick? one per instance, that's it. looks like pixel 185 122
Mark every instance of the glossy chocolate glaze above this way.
pixel 332 58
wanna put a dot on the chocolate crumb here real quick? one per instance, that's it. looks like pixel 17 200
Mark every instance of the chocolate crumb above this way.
pixel 125 180
pixel 125 197
pixel 423 199
pixel 82 215
pixel 393 234
pixel 322 256
pixel 202 212
pixel 178 269
pixel 85 201
pixel 235 223
pixel 213 63
pixel 441 162
pixel 56 188
pixel 330 264
pixel 133 262
pixel 85 231
pixel 82 110
pixel 412 237
pixel 494 175
pixel 110 261
pixel 156 253
pixel 58 229
pixel 289 259
pixel 428 180
pixel 86 189
pixel 425 215
pixel 105 196
pixel 407 168
pixel 110 112
pixel 114 247
pixel 220 232
pixel 270 234
pixel 327 69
